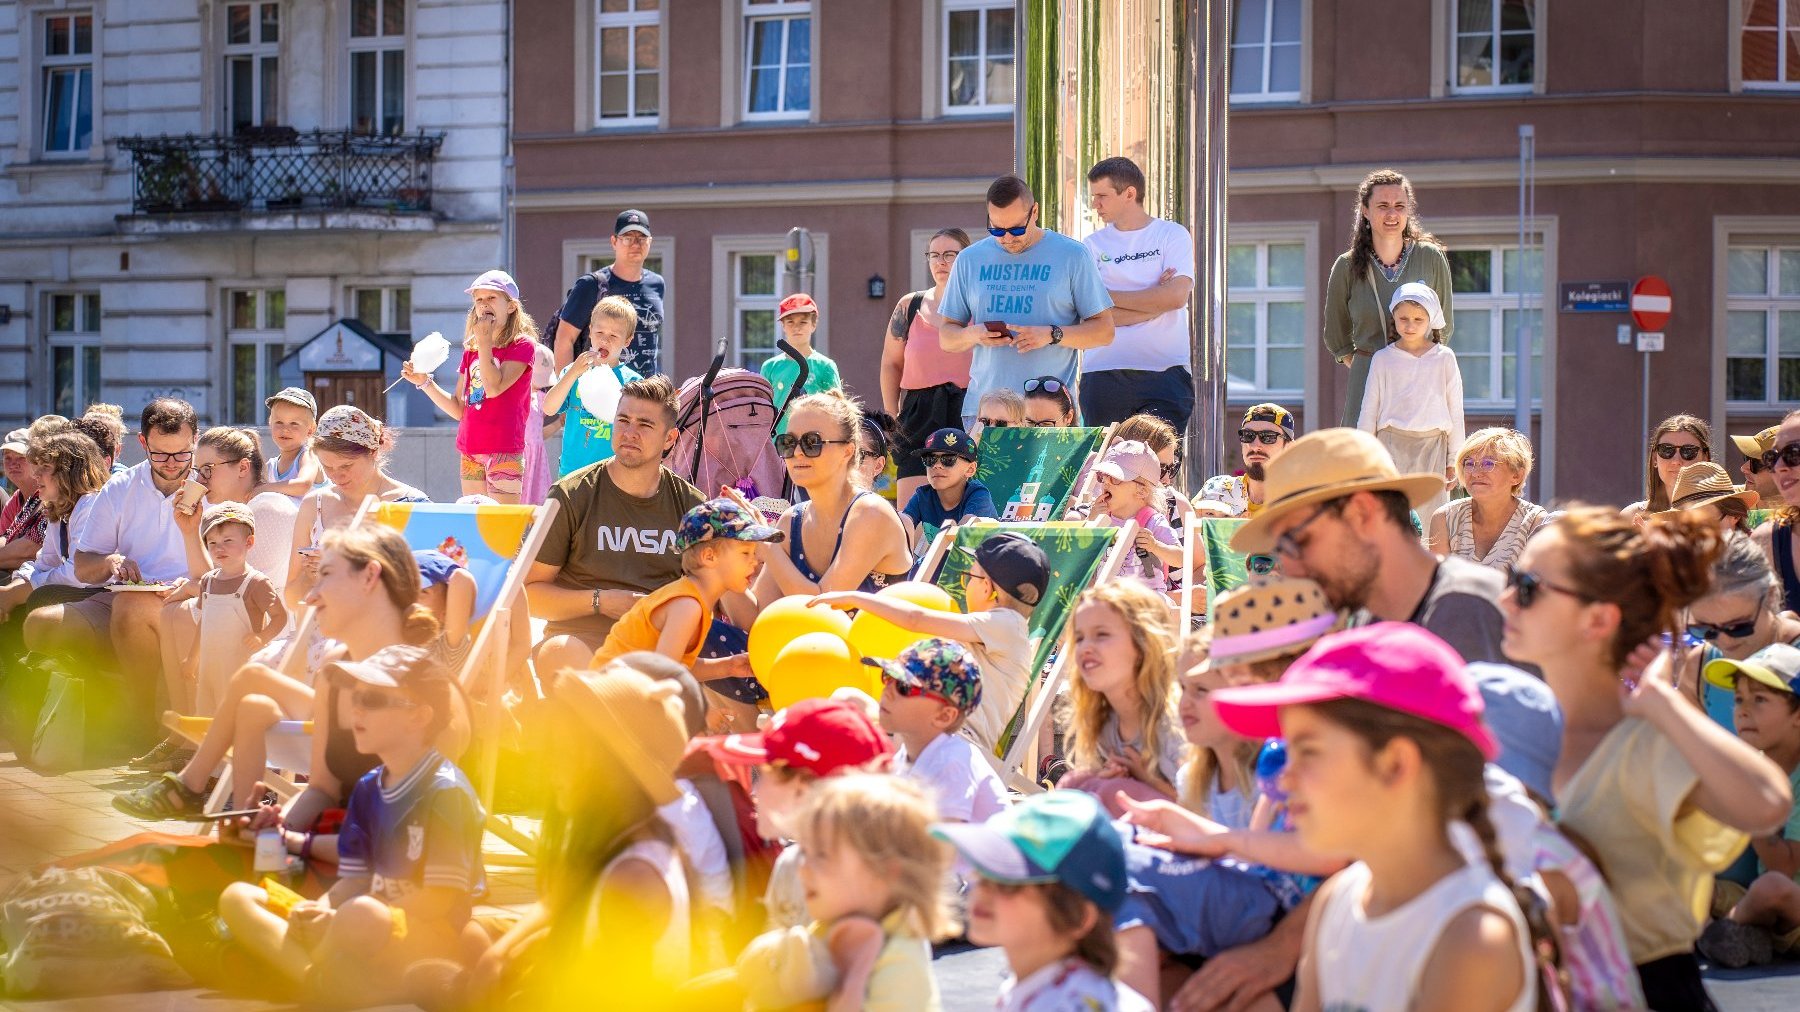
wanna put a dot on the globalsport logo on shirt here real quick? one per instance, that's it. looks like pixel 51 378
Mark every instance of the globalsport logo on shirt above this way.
pixel 1125 258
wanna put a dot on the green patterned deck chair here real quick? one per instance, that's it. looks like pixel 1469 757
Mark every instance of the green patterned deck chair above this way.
pixel 1052 458
pixel 1226 570
pixel 1081 555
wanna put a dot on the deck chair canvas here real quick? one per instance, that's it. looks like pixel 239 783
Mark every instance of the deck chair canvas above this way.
pixel 1053 459
pixel 1081 555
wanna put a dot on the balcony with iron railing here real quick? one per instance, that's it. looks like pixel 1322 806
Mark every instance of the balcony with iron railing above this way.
pixel 271 176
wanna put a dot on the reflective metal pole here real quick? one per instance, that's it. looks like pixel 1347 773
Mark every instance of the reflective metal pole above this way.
pixel 1211 33
pixel 1522 333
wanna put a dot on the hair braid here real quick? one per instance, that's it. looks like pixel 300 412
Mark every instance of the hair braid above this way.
pixel 1546 944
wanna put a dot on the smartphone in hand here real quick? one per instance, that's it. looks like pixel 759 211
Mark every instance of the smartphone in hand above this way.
pixel 999 329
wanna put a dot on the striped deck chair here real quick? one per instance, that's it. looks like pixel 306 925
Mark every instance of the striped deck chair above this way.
pixel 1081 555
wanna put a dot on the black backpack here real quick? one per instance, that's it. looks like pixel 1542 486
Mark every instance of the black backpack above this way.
pixel 547 334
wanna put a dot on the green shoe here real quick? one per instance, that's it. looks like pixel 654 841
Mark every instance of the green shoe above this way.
pixel 166 797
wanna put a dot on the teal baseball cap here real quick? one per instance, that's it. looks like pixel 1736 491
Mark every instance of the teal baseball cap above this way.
pixel 1057 836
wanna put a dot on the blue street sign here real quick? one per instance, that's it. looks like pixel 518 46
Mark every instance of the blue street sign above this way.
pixel 1595 296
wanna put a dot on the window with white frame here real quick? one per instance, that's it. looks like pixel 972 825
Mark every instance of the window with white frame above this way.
pixel 978 56
pixel 1485 284
pixel 384 310
pixel 1769 43
pixel 628 62
pixel 777 59
pixel 755 276
pixel 1762 325
pixel 252 65
pixel 1493 44
pixel 74 340
pixel 1266 50
pixel 1265 325
pixel 378 67
pixel 67 63
pixel 255 336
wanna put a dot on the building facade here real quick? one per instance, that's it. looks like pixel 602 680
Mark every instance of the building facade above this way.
pixel 191 191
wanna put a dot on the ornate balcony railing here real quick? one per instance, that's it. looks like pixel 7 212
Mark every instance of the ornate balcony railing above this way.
pixel 281 169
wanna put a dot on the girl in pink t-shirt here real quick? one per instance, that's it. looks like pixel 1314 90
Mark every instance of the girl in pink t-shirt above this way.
pixel 492 395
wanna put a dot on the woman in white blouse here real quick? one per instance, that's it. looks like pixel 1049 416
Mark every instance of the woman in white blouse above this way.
pixel 1493 523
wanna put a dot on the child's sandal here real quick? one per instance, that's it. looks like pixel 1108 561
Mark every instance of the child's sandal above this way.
pixel 166 797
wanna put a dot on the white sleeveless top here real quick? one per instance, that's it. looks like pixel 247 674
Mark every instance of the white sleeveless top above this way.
pixel 1365 963
pixel 670 953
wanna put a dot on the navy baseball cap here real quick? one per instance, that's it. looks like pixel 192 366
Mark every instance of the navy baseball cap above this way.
pixel 434 566
pixel 632 221
pixel 1057 836
pixel 950 441
pixel 1015 563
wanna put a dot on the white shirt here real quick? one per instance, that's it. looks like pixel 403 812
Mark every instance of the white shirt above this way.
pixel 50 568
pixel 691 822
pixel 1065 985
pixel 1419 394
pixel 1130 262
pixel 1001 645
pixel 130 517
pixel 965 785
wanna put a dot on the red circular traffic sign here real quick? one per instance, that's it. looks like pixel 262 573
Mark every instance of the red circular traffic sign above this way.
pixel 1650 303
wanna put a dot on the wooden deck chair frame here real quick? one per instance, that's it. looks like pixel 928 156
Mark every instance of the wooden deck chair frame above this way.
pixel 1021 756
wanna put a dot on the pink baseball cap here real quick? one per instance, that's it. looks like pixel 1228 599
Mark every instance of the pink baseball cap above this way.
pixel 799 302
pixel 1396 665
pixel 1130 460
pixel 497 281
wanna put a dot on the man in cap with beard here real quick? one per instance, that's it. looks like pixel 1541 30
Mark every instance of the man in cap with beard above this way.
pixel 1265 434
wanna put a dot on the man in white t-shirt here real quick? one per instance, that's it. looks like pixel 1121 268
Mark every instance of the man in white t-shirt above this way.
pixel 1147 265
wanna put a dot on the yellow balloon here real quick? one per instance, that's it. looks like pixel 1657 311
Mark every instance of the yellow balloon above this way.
pixel 815 665
pixel 871 636
pixel 785 620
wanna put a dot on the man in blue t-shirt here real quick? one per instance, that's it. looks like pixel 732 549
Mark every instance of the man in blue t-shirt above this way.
pixel 625 276
pixel 1027 300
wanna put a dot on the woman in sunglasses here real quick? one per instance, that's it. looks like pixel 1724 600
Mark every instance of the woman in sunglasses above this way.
pixel 1048 403
pixel 843 537
pixel 1740 615
pixel 1491 525
pixel 1677 442
pixel 1777 539
pixel 1661 794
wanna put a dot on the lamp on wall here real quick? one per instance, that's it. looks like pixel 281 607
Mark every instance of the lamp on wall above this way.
pixel 877 287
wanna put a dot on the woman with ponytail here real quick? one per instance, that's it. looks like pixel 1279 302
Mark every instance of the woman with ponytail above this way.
pixel 1659 793
pixel 1388 248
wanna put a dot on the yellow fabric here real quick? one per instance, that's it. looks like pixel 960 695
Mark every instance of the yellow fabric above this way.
pixel 1629 802
pixel 635 631
pixel 902 980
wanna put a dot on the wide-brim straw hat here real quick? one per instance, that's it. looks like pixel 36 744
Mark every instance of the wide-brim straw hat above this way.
pixel 1704 483
pixel 639 718
pixel 1325 465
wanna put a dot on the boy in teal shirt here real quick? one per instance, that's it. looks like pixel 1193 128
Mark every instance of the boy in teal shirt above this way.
pixel 798 316
pixel 586 439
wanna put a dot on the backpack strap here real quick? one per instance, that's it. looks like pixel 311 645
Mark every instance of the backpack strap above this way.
pixel 912 311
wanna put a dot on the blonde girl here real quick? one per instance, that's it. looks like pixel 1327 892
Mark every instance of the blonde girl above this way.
pixel 493 394
pixel 1123 732
pixel 998 409
pixel 1218 770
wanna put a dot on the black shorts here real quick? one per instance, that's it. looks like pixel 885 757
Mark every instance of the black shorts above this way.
pixel 1113 395
pixel 923 412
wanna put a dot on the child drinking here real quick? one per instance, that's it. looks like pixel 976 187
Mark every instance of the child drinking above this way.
pixel 1122 735
pixel 493 392
pixel 926 694
pixel 239 608
pixel 294 471
pixel 1050 874
pixel 999 408
pixel 798 316
pixel 586 439
pixel 952 494
pixel 1413 401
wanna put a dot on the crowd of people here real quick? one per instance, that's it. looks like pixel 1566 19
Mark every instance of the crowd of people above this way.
pixel 1434 752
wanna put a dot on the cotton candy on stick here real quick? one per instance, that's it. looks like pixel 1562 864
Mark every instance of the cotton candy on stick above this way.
pixel 598 391
pixel 430 352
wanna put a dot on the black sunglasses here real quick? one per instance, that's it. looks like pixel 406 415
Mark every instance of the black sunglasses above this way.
pixel 1667 451
pixel 1730 630
pixel 1527 586
pixel 940 459
pixel 371 700
pixel 1248 436
pixel 1048 384
pixel 992 423
pixel 1786 456
pixel 812 444
pixel 1016 229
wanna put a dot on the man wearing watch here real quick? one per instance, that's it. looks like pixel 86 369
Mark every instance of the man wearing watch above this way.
pixel 1026 300
pixel 613 539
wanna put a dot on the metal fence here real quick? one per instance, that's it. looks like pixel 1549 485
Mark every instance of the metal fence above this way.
pixel 281 170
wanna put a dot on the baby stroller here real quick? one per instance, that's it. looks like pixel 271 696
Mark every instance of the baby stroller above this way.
pixel 727 421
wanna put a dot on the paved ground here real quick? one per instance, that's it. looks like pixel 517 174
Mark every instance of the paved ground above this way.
pixel 45 818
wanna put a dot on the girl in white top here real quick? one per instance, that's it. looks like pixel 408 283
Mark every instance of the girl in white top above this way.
pixel 1414 399
pixel 1385 750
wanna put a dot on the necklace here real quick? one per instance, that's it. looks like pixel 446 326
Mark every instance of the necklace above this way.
pixel 1392 272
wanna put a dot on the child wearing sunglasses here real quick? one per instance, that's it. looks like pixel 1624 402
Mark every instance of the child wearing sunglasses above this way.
pixel 927 693
pixel 798 317
pixel 1129 477
pixel 998 409
pixel 951 493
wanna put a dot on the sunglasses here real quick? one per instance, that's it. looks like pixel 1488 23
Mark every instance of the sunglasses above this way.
pixel 1170 470
pixel 1289 545
pixel 1016 230
pixel 205 471
pixel 1048 384
pixel 1786 456
pixel 1484 464
pixel 812 444
pixel 1730 630
pixel 1527 586
pixel 940 459
pixel 372 699
pixel 1267 438
pixel 161 458
pixel 1667 451
pixel 909 691
pixel 992 423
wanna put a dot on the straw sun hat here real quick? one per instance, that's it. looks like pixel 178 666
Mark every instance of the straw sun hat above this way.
pixel 1325 465
pixel 1704 483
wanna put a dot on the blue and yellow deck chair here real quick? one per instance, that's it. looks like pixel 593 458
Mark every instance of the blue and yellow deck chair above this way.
pixel 1081 555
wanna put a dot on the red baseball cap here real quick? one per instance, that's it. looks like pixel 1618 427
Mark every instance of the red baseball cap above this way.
pixel 1396 665
pixel 799 302
pixel 822 736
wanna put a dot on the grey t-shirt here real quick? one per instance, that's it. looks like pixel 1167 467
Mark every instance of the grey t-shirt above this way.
pixel 1462 608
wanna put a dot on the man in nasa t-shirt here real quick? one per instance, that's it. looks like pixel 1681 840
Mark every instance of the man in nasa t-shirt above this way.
pixel 1147 265
pixel 613 538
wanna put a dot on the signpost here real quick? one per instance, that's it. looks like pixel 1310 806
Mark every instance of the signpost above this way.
pixel 1594 296
pixel 1651 304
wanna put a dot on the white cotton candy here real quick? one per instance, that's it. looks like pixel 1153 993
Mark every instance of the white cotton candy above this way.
pixel 431 352
pixel 598 391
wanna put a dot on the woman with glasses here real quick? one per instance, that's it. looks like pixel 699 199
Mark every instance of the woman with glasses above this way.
pixel 922 385
pixel 1492 524
pixel 1049 403
pixel 1662 795
pixel 1739 615
pixel 1677 442
pixel 843 536
pixel 1777 536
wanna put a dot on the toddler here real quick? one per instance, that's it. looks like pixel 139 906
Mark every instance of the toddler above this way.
pixel 293 471
pixel 239 609
pixel 999 408
pixel 1129 476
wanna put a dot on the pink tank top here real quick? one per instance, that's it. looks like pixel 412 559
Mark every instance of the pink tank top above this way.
pixel 927 364
pixel 495 423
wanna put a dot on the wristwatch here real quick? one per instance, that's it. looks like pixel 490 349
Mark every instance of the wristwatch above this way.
pixel 1055 334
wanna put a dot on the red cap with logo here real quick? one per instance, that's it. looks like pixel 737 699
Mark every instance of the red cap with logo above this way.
pixel 799 302
pixel 821 736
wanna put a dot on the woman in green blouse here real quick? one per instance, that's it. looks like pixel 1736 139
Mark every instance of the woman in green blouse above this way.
pixel 1388 248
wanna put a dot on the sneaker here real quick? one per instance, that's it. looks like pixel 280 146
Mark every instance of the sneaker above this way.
pixel 169 756
pixel 1051 770
pixel 1730 944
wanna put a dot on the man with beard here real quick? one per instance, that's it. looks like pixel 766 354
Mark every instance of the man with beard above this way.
pixel 1338 512
pixel 1266 432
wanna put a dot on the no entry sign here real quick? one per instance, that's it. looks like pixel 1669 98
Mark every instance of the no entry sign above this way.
pixel 1650 303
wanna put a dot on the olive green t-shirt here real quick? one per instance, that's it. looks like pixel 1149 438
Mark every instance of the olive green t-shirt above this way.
pixel 602 538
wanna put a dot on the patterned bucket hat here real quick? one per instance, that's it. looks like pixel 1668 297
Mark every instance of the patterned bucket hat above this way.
pixel 943 668
pixel 721 520
pixel 1269 618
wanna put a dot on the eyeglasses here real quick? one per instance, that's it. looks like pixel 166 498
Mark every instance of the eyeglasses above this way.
pixel 940 459
pixel 369 699
pixel 1267 438
pixel 1048 384
pixel 1667 451
pixel 1289 545
pixel 992 423
pixel 1527 586
pixel 1016 230
pixel 163 458
pixel 205 471
pixel 812 444
pixel 1484 464
pixel 632 239
pixel 942 258
pixel 1047 423
pixel 1787 456
pixel 1730 630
